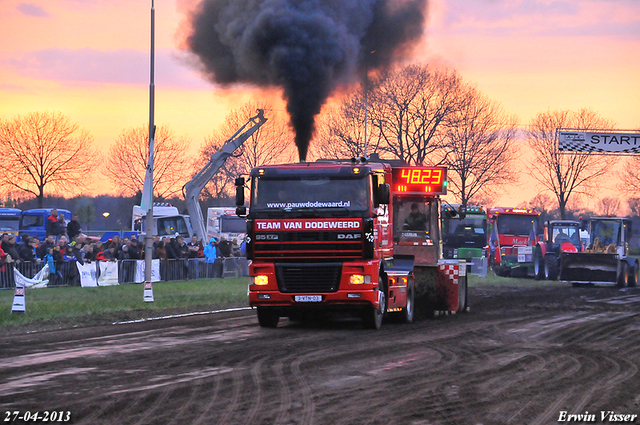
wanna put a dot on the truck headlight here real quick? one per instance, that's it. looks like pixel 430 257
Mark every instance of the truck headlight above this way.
pixel 261 279
pixel 357 279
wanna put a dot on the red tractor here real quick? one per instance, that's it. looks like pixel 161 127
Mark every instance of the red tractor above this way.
pixel 560 236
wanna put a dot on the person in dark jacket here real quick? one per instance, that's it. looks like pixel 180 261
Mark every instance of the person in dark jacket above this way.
pixel 73 228
pixel 28 250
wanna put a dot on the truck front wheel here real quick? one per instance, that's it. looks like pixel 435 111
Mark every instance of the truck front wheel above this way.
pixel 372 317
pixel 267 318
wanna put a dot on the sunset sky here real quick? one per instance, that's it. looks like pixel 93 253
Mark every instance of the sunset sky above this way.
pixel 89 59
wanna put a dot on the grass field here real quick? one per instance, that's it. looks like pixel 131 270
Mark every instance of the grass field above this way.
pixel 48 308
pixel 63 307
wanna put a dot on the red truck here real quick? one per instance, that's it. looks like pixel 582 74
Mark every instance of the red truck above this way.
pixel 513 233
pixel 355 236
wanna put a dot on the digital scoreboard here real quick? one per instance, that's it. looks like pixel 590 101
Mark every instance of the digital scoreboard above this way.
pixel 419 180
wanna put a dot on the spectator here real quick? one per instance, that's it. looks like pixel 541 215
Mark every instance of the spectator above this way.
pixel 243 247
pixel 116 244
pixel 86 253
pixel 235 248
pixel 181 248
pixel 73 228
pixel 62 225
pixel 168 246
pixel 4 275
pixel 10 248
pixel 43 248
pixel 69 268
pixel 210 251
pixel 195 248
pixel 62 244
pixel 28 250
pixel 52 223
pixel 51 259
pixel 224 247
pixel 135 252
pixel 160 252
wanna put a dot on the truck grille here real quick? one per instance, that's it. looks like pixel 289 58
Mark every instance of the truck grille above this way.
pixel 303 245
pixel 308 277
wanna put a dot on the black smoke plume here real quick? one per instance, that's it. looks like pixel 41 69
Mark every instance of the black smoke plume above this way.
pixel 307 47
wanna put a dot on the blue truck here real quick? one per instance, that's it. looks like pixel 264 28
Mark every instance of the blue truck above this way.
pixel 34 222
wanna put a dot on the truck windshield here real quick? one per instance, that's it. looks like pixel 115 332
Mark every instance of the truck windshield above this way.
pixel 229 224
pixel 469 232
pixel 412 220
pixel 9 223
pixel 310 193
pixel 173 225
pixel 519 225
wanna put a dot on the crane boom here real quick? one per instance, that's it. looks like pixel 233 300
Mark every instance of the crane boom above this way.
pixel 193 188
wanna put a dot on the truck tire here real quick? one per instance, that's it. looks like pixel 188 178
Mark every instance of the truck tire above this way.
pixel 633 275
pixel 538 264
pixel 407 312
pixel 372 317
pixel 267 318
pixel 623 276
pixel 551 267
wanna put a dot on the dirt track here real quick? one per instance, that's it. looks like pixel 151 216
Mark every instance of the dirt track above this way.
pixel 521 356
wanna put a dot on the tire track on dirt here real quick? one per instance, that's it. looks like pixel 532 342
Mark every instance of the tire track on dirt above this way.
pixel 256 404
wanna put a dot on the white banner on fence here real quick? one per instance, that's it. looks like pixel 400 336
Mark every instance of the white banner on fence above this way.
pixel 88 275
pixel 598 142
pixel 155 271
pixel 36 282
pixel 108 273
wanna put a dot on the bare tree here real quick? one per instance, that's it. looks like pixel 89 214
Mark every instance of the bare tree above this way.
pixel 341 130
pixel 634 206
pixel 45 150
pixel 480 152
pixel 128 157
pixel 410 106
pixel 566 174
pixel 608 206
pixel 270 144
pixel 629 177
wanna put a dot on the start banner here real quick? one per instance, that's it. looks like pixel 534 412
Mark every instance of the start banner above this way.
pixel 598 141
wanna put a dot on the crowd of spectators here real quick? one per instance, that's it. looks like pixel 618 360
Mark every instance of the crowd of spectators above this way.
pixel 65 244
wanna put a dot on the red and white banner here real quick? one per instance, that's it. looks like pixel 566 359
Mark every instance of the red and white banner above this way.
pixel 309 224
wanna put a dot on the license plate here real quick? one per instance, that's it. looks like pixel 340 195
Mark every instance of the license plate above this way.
pixel 308 298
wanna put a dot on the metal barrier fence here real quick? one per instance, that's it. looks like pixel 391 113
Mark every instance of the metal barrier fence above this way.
pixel 175 269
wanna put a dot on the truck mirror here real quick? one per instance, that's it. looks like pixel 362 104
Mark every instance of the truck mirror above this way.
pixel 462 212
pixel 239 196
pixel 239 181
pixel 241 211
pixel 384 194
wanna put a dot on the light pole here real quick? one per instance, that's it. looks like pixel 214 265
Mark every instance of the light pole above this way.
pixel 105 215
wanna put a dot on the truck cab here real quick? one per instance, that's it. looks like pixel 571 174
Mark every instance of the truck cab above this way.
pixel 34 222
pixel 513 232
